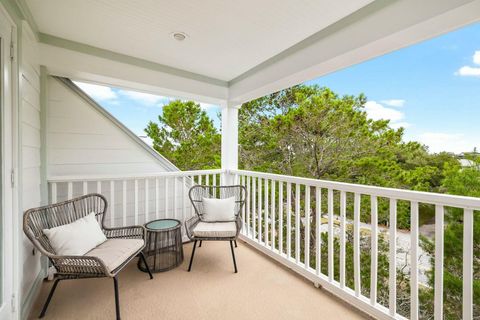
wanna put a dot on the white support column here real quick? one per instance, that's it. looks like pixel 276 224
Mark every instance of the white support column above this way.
pixel 229 141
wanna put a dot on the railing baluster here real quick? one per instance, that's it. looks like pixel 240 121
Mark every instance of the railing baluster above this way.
pixel 124 202
pixel 244 208
pixel 414 260
pixel 147 218
pixel 136 201
pixel 356 243
pixel 175 202
pixel 272 215
pixel 289 220
pixel 157 200
pixel 343 219
pixel 267 195
pixel 374 256
pixel 165 214
pixel 99 187
pixel 54 192
pixel 112 203
pixel 468 264
pixel 280 217
pixel 254 208
pixel 207 179
pixel 200 179
pixel 85 187
pixel 297 223
pixel 307 227
pixel 393 258
pixel 249 197
pixel 184 198
pixel 330 235
pixel 318 230
pixel 260 205
pixel 438 300
pixel 69 190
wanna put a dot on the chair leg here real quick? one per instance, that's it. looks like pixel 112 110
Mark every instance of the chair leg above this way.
pixel 117 300
pixel 235 243
pixel 142 256
pixel 191 258
pixel 50 295
pixel 233 256
pixel 200 244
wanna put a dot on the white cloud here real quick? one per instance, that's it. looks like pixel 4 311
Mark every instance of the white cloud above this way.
pixel 377 111
pixel 451 142
pixel 97 92
pixel 476 57
pixel 145 98
pixel 206 106
pixel 468 71
pixel 394 102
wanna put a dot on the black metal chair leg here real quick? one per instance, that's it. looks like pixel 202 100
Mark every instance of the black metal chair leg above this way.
pixel 191 258
pixel 117 300
pixel 233 256
pixel 142 256
pixel 200 244
pixel 235 243
pixel 50 295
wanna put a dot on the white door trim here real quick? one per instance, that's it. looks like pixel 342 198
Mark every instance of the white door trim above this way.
pixel 9 308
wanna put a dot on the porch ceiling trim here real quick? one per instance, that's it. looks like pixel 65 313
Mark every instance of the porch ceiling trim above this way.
pixel 111 55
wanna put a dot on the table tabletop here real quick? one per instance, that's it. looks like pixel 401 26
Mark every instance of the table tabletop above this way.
pixel 162 224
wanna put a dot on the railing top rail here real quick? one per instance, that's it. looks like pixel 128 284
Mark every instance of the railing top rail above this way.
pixel 59 179
pixel 399 194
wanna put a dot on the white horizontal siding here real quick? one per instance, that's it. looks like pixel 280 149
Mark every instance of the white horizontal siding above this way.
pixel 82 141
pixel 30 128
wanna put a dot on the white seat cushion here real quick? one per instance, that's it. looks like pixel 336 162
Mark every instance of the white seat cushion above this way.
pixel 215 230
pixel 114 252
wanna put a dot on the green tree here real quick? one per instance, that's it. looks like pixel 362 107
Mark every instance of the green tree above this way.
pixel 186 136
pixel 466 182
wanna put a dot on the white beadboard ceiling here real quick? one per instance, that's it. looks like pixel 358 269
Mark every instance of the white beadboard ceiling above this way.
pixel 226 37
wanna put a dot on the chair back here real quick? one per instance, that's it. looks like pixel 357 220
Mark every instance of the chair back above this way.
pixel 197 193
pixel 58 214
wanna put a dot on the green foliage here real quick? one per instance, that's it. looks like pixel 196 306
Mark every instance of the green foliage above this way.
pixel 310 131
pixel 186 136
pixel 458 181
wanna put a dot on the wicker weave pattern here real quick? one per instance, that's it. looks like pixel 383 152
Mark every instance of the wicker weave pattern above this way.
pixel 69 267
pixel 197 193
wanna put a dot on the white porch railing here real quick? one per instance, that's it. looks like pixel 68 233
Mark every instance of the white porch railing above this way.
pixel 136 199
pixel 277 223
pixel 274 198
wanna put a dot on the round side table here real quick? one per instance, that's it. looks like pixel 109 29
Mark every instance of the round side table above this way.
pixel 163 249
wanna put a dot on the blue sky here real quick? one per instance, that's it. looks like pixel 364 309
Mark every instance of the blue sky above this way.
pixel 432 89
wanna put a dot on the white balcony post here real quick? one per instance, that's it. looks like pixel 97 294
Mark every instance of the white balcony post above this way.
pixel 229 141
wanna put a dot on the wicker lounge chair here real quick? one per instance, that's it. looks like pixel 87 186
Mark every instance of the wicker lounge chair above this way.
pixel 106 260
pixel 200 230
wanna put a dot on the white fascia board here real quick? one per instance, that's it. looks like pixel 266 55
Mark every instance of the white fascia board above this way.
pixel 90 68
pixel 396 24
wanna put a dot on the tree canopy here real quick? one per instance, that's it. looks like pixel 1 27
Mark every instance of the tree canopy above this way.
pixel 186 136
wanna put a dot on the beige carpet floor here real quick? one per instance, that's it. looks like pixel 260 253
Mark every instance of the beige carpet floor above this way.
pixel 261 290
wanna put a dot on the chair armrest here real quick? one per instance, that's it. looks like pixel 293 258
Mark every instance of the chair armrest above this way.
pixel 190 225
pixel 78 266
pixel 130 232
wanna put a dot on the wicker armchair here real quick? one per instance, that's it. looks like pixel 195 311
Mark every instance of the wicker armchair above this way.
pixel 90 265
pixel 215 231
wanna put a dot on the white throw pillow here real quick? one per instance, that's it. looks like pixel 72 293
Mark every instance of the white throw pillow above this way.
pixel 218 209
pixel 76 238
